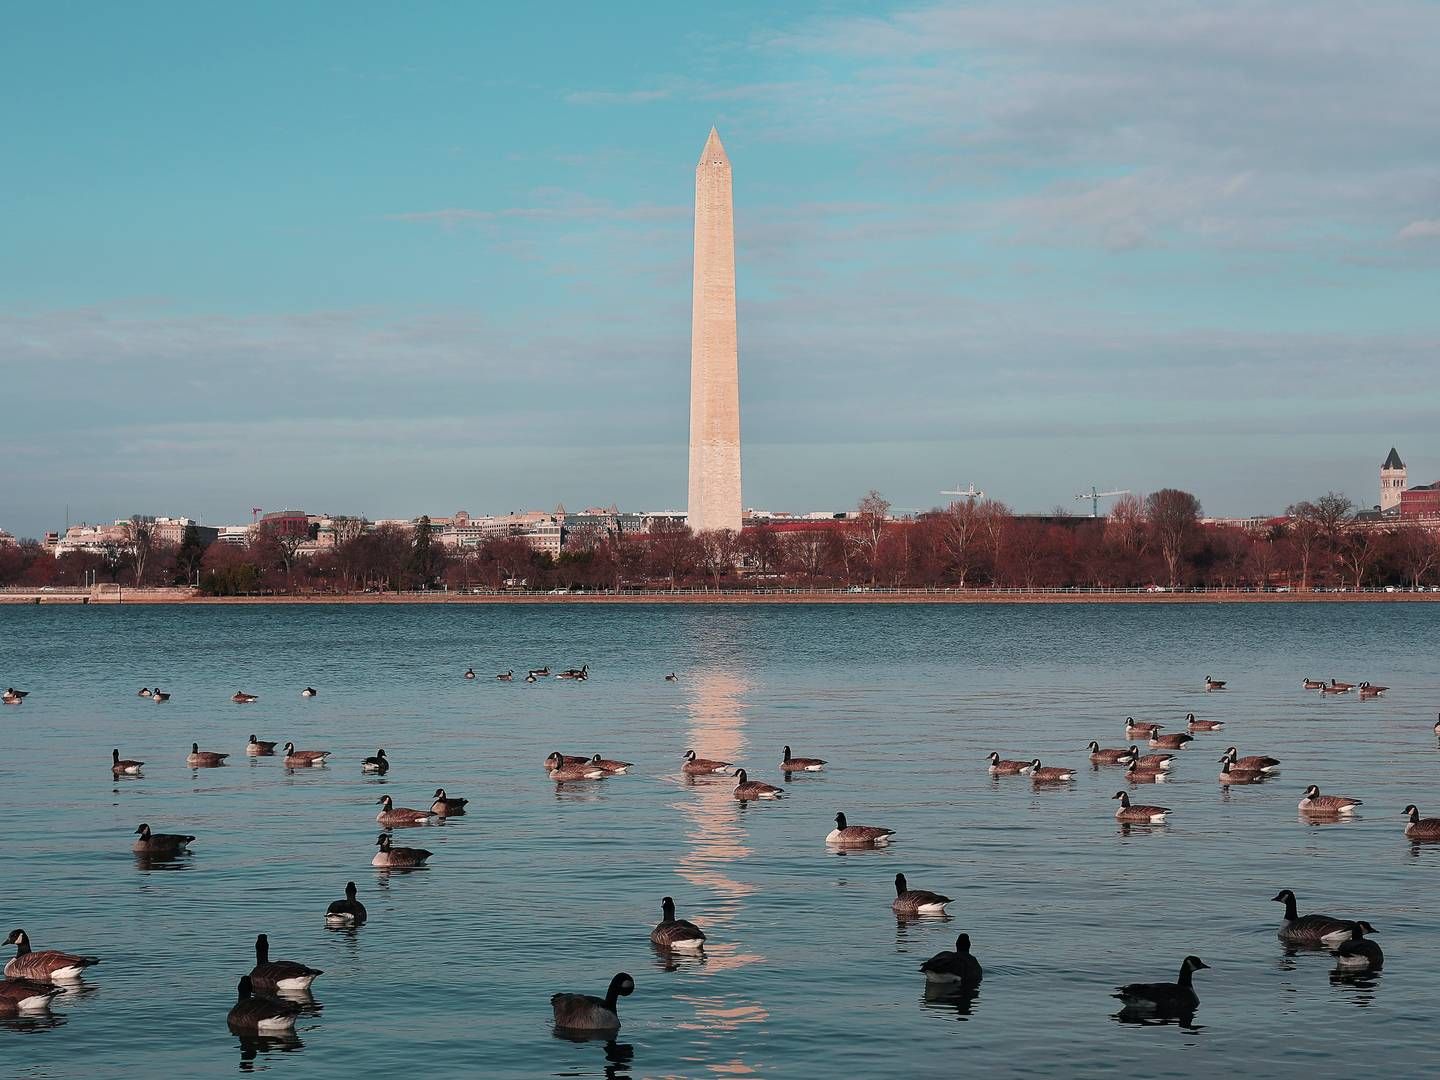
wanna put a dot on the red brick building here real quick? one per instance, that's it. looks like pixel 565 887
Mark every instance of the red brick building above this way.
pixel 1422 501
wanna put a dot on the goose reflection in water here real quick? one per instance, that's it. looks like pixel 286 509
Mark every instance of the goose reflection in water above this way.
pixel 961 1000
pixel 1359 986
pixel 146 862
pixel 252 1046
pixel 618 1055
pixel 28 1022
pixel 1141 1017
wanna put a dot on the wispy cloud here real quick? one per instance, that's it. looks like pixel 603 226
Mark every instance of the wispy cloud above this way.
pixel 617 97
pixel 1423 229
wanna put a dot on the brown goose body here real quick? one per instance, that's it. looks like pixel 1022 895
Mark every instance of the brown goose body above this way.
pixel 557 759
pixel 1312 684
pixel 391 815
pixel 747 790
pixel 954 968
pixel 910 901
pixel 1109 755
pixel 254 1014
pixel 1369 690
pixel 242 698
pixel 673 933
pixel 1050 774
pixel 1146 774
pixel 204 759
pixel 304 759
pixel 1233 774
pixel 25 995
pixel 846 835
pixel 1214 684
pixel 1317 804
pixel 1165 999
pixel 1334 690
pixel 1314 931
pixel 1151 761
pixel 259 747
pixel 45 966
pixel 1359 953
pixel 376 763
pixel 1138 814
pixel 585 1012
pixel 445 806
pixel 1134 729
pixel 272 975
pixel 1176 741
pixel 390 856
pixel 610 765
pixel 160 845
pixel 1421 828
pixel 159 696
pixel 1255 762
pixel 1341 686
pixel 347 912
pixel 1001 767
pixel 790 763
pixel 577 772
pixel 123 766
pixel 1203 725
pixel 697 766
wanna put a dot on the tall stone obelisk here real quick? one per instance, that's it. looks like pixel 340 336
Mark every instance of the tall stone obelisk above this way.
pixel 714 359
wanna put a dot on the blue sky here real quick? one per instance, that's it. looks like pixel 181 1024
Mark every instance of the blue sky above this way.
pixel 366 258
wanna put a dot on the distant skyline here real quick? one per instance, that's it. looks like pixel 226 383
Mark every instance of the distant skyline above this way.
pixel 355 258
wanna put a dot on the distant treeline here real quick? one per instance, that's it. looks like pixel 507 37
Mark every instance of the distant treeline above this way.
pixel 1156 541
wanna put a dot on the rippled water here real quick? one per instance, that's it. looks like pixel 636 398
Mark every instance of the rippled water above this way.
pixel 807 972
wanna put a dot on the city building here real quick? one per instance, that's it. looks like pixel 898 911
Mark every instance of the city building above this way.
pixel 286 523
pixel 714 490
pixel 1423 501
pixel 1392 482
pixel 6 538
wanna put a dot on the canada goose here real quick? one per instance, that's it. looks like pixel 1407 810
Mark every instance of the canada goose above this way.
pixel 1421 828
pixel 259 747
pixel 444 806
pixel 789 763
pixel 159 696
pixel 1139 773
pixel 582 1012
pixel 952 968
pixel 470 673
pixel 610 765
pixel 1152 761
pixel 557 759
pixel 1315 803
pixel 582 673
pixel 747 790
pixel 910 901
pixel 45 966
pixel 1202 725
pixel 1369 691
pixel 204 759
pixel 1001 767
pixel 251 1013
pixel 1214 684
pixel 671 677
pixel 377 764
pixel 1136 728
pixel 1312 684
pixel 1337 689
pixel 160 844
pixel 144 691
pixel 25 995
pixel 123 766
pixel 1341 686
pixel 696 765
pixel 584 771
pixel 847 835
pixel 506 676
pixel 242 698
pixel 1171 999
pixel 347 912
pixel 1233 774
pixel 1313 930
pixel 272 975
pixel 1255 762
pixel 1137 814
pixel 1049 774
pixel 673 933
pixel 1109 755
pixel 531 677
pixel 12 698
pixel 1177 741
pixel 390 856
pixel 390 814
pixel 309 691
pixel 302 759
pixel 1359 953
pixel 541 672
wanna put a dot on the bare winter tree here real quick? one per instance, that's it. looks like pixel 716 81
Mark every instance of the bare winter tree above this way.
pixel 1174 518
pixel 1419 552
pixel 140 539
pixel 719 550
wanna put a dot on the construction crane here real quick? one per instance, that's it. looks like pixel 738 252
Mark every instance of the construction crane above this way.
pixel 965 493
pixel 1095 496
pixel 255 513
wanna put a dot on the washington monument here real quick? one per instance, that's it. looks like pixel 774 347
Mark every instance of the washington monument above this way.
pixel 714 362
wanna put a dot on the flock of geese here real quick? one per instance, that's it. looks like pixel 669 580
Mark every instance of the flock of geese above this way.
pixel 274 993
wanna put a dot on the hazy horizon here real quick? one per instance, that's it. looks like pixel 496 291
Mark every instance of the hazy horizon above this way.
pixel 400 262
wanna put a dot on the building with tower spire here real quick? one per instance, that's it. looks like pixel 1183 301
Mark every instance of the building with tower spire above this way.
pixel 1392 482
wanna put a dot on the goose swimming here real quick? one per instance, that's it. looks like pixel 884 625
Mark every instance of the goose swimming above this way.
pixel 304 759
pixel 1359 953
pixel 347 912
pixel 204 759
pixel 506 676
pixel 1314 930
pixel 1114 755
pixel 1169 999
pixel 272 975
pixel 581 673
pixel 390 814
pixel 251 1013
pixel 583 1012
pixel 1151 761
pixel 242 698
pixel 846 835
pixel 610 765
pixel 397 857
pixel 557 759
pixel 790 763
pixel 159 696
pixel 673 933
pixel 1138 814
pixel 124 766
pixel 379 763
pixel 1136 728
pixel 1177 741
pixel 1233 774
pixel 1214 684
pixel 1256 762
pixel 1421 828
pixel 25 995
pixel 45 966
pixel 672 677
pixel 958 968
pixel 259 747
pixel 1002 767
pixel 584 771
pixel 444 806
pixel 697 765
pixel 1202 725
pixel 910 901
pixel 747 790
pixel 1050 774
pixel 1315 803
pixel 309 691
pixel 160 845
